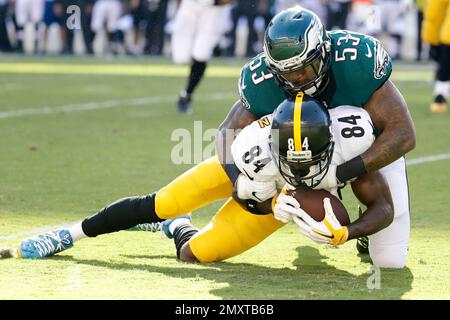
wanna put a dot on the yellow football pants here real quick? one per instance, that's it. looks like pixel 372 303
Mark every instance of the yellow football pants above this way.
pixel 232 230
pixel 436 23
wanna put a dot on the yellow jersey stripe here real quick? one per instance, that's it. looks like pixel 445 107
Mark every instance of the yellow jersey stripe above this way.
pixel 297 122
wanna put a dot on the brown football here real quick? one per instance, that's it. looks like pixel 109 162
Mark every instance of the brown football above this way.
pixel 312 202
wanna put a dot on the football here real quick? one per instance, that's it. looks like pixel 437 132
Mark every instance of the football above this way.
pixel 312 202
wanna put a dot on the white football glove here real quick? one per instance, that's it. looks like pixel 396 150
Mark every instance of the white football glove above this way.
pixel 286 207
pixel 306 229
pixel 255 190
pixel 328 231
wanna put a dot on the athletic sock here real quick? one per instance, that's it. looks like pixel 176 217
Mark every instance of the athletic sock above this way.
pixel 122 215
pixel 442 88
pixel 178 222
pixel 443 72
pixel 197 71
pixel 182 234
pixel 76 232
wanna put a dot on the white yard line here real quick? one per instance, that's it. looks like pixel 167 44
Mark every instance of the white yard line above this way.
pixel 107 104
pixel 412 162
pixel 35 231
pixel 434 157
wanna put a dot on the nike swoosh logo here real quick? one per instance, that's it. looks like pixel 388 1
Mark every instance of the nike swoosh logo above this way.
pixel 254 194
pixel 243 86
pixel 324 235
pixel 369 54
pixel 248 175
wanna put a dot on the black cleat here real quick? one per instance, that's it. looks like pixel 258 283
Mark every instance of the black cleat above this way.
pixel 362 245
pixel 184 103
pixel 439 105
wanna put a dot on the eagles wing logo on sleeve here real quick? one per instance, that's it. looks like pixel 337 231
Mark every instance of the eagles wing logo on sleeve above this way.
pixel 241 87
pixel 381 61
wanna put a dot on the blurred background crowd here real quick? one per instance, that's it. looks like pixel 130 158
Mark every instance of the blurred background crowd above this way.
pixel 144 27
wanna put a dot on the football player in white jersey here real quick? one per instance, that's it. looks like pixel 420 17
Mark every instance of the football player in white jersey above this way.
pixel 296 146
pixel 259 147
pixel 353 133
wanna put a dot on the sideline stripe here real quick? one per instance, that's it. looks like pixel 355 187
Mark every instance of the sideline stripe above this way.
pixel 436 157
pixel 157 69
pixel 108 104
pixel 149 70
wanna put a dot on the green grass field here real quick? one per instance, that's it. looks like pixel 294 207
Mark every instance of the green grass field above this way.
pixel 78 134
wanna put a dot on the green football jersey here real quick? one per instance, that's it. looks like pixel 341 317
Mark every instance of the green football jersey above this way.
pixel 359 63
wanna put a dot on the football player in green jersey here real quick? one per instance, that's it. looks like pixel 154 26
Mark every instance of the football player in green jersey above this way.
pixel 337 67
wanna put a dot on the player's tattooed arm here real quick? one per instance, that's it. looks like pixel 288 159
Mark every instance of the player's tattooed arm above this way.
pixel 372 191
pixel 237 118
pixel 391 118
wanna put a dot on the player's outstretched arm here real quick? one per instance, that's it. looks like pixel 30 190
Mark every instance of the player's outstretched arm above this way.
pixel 390 116
pixel 237 118
pixel 373 192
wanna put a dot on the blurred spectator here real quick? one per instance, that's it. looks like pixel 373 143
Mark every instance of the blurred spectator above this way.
pixel 317 6
pixel 86 20
pixel 266 11
pixel 419 8
pixel 60 14
pixel 197 28
pixel 124 24
pixel 337 12
pixel 248 10
pixel 393 14
pixel 436 32
pixel 5 44
pixel 139 12
pixel 53 13
pixel 149 16
pixel 156 20
pixel 364 17
pixel 28 12
pixel 106 12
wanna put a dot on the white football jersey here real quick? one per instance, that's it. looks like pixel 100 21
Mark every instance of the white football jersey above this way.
pixel 352 129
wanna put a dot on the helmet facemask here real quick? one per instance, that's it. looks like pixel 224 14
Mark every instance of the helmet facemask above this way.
pixel 308 77
pixel 301 140
pixel 308 172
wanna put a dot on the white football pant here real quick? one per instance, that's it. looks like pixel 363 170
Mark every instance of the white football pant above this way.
pixel 388 248
pixel 197 29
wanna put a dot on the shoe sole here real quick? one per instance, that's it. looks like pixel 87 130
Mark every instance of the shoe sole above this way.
pixel 438 107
